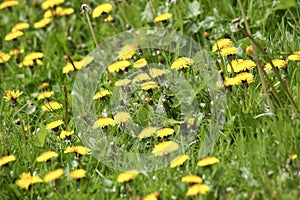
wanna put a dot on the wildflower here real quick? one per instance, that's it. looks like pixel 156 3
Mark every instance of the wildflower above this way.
pixel 249 50
pixel 277 63
pixel 77 149
pixel 147 132
pixel 154 72
pixel 44 86
pixel 293 57
pixel 6 159
pixel 127 52
pixel 226 51
pixel 26 180
pixel 231 81
pixel 65 11
pixel 54 124
pixel 109 18
pixel 20 26
pixel 4 57
pixel 240 65
pixel 8 4
pixel 198 189
pixel 164 148
pixel 102 122
pixel 51 106
pixel 42 23
pixel 70 67
pixel 53 175
pixel 182 62
pixel 164 132
pixel 65 134
pixel 141 77
pixel 51 3
pixel 12 95
pixel 191 179
pixel 45 95
pixel 127 176
pixel 31 58
pixel 221 43
pixel 206 34
pixel 292 157
pixel 122 117
pixel 102 8
pixel 149 85
pixel 152 196
pixel 122 82
pixel 208 161
pixel 77 174
pixel 140 63
pixel 245 76
pixel 46 156
pixel 179 160
pixel 16 52
pixel 101 93
pixel 163 17
pixel 119 65
pixel 13 35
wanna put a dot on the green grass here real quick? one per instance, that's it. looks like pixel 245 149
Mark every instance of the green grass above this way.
pixel 254 145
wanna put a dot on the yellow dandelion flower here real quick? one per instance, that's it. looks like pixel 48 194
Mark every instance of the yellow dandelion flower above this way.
pixel 69 67
pixel 293 57
pixel 208 161
pixel 44 157
pixel 103 122
pixel 149 85
pixel 51 13
pixel 15 52
pixel 179 160
pixel 147 132
pixel 221 43
pixel 42 23
pixel 152 196
pixel 20 26
pixel 198 189
pixel 77 149
pixel 141 77
pixel 163 17
pixel 245 76
pixel 182 62
pixel 122 117
pixel 65 11
pixel 165 148
pixel 53 175
pixel 86 61
pixel 51 3
pixel 54 124
pixel 277 63
pixel 65 134
pixel 51 106
pixel 13 35
pixel 127 176
pixel 109 18
pixel 231 81
pixel 240 65
pixel 164 132
pixel 77 174
pixel 102 93
pixel 154 72
pixel 7 4
pixel 122 82
pixel 34 56
pixel 43 86
pixel 126 52
pixel 119 65
pixel 45 95
pixel 102 8
pixel 292 157
pixel 4 57
pixel 12 95
pixel 249 50
pixel 226 51
pixel 191 179
pixel 140 63
pixel 6 159
pixel 191 121
pixel 26 180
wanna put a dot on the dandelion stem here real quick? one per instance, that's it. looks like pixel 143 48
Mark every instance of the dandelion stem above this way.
pixel 66 105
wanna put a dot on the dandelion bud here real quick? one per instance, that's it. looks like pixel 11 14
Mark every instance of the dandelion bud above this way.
pixel 86 8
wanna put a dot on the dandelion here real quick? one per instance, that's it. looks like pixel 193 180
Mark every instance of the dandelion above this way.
pixel 154 72
pixel 164 148
pixel 65 134
pixel 226 51
pixel 8 4
pixel 4 57
pixel 42 23
pixel 127 176
pixel 51 3
pixel 53 175
pixel 109 18
pixel 147 132
pixel 54 124
pixel 51 106
pixel 70 67
pixel 292 157
pixel 119 65
pixel 164 132
pixel 13 35
pixel 191 179
pixel 45 95
pixel 179 160
pixel 44 157
pixel 293 57
pixel 152 196
pixel 141 77
pixel 65 11
pixel 140 63
pixel 182 62
pixel 198 189
pixel 122 117
pixel 20 26
pixel 127 52
pixel 245 76
pixel 249 50
pixel 12 95
pixel 43 86
pixel 77 174
pixel 277 63
pixel 163 17
pixel 122 82
pixel 221 43
pixel 102 8
pixel 240 65
pixel 77 149
pixel 149 85
pixel 231 81
pixel 102 93
pixel 26 180
pixel 16 52
pixel 7 159
pixel 208 161
pixel 103 122
pixel 31 58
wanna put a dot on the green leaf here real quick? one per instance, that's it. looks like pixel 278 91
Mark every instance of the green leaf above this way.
pixel 144 114
pixel 285 4
pixel 40 137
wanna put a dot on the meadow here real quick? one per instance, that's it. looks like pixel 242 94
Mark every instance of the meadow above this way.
pixel 146 99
